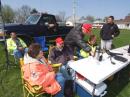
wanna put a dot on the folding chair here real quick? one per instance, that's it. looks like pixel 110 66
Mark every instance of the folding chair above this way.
pixel 34 91
pixel 15 59
pixel 41 40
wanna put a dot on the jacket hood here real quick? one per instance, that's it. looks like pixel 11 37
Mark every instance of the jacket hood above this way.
pixel 28 59
pixel 78 27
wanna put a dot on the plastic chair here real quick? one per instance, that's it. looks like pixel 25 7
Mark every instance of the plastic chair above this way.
pixel 41 40
pixel 32 90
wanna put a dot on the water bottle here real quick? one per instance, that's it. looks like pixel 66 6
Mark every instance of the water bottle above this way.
pixel 97 54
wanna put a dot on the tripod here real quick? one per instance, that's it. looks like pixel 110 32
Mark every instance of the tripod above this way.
pixel 4 67
pixel 4 36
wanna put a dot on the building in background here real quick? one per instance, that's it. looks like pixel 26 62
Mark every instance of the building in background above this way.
pixel 98 23
pixel 123 23
pixel 69 21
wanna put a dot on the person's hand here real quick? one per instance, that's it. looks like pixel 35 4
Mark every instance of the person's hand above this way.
pixel 91 53
pixel 50 68
pixel 112 36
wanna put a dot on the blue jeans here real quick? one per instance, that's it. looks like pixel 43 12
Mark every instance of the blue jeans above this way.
pixel 19 54
pixel 60 79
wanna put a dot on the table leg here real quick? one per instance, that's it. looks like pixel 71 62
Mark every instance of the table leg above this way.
pixel 94 87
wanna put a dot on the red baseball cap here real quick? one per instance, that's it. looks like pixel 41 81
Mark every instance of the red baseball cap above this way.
pixel 87 27
pixel 59 40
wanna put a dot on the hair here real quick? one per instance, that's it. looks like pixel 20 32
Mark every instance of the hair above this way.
pixel 92 37
pixel 34 50
pixel 12 32
pixel 112 17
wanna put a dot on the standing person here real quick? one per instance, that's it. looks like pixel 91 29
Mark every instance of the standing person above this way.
pixel 108 32
pixel 16 46
pixel 75 38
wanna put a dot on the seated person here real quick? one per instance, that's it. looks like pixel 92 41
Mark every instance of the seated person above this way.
pixel 38 72
pixel 60 54
pixel 16 46
pixel 91 42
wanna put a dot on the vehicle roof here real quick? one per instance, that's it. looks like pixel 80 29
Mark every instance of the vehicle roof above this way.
pixel 42 14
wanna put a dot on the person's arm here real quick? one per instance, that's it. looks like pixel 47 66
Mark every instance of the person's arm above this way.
pixel 101 31
pixel 83 53
pixel 81 43
pixel 117 31
pixel 23 43
pixel 52 57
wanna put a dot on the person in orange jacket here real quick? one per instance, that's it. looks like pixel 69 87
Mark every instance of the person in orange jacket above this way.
pixel 38 72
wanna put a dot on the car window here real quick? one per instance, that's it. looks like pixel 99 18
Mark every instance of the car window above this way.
pixel 48 19
pixel 33 19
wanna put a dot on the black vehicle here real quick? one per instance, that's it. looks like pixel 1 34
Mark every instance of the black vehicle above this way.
pixel 39 24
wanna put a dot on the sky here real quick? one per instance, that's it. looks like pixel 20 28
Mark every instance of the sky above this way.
pixel 97 8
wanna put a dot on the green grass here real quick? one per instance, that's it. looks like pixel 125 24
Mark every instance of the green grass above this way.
pixel 10 82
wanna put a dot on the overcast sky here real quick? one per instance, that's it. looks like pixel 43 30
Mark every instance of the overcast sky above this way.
pixel 97 8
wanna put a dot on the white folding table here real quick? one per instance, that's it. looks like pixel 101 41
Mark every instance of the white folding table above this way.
pixel 96 71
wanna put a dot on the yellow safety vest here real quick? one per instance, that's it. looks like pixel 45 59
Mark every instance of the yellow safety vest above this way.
pixel 11 45
pixel 85 54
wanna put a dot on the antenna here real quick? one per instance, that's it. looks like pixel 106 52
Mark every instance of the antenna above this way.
pixel 74 12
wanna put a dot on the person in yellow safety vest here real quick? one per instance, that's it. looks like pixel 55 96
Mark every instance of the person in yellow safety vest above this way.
pixel 91 42
pixel 16 46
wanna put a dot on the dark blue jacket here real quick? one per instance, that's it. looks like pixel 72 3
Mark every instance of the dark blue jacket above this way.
pixel 108 30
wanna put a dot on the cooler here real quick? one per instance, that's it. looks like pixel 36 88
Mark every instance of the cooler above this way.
pixel 85 89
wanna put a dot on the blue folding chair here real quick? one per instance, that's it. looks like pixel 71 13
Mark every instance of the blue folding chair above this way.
pixel 41 40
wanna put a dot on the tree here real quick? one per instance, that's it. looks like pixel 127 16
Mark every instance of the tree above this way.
pixel 82 18
pixel 22 13
pixel 61 16
pixel 90 18
pixel 8 14
pixel 105 19
pixel 99 19
pixel 128 14
pixel 58 19
pixel 33 11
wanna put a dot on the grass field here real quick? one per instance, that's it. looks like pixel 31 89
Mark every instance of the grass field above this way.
pixel 10 82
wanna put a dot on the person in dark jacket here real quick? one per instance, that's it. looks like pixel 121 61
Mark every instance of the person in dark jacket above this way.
pixel 60 54
pixel 75 38
pixel 108 32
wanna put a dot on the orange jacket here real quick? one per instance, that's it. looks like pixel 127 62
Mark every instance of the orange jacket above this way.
pixel 38 74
